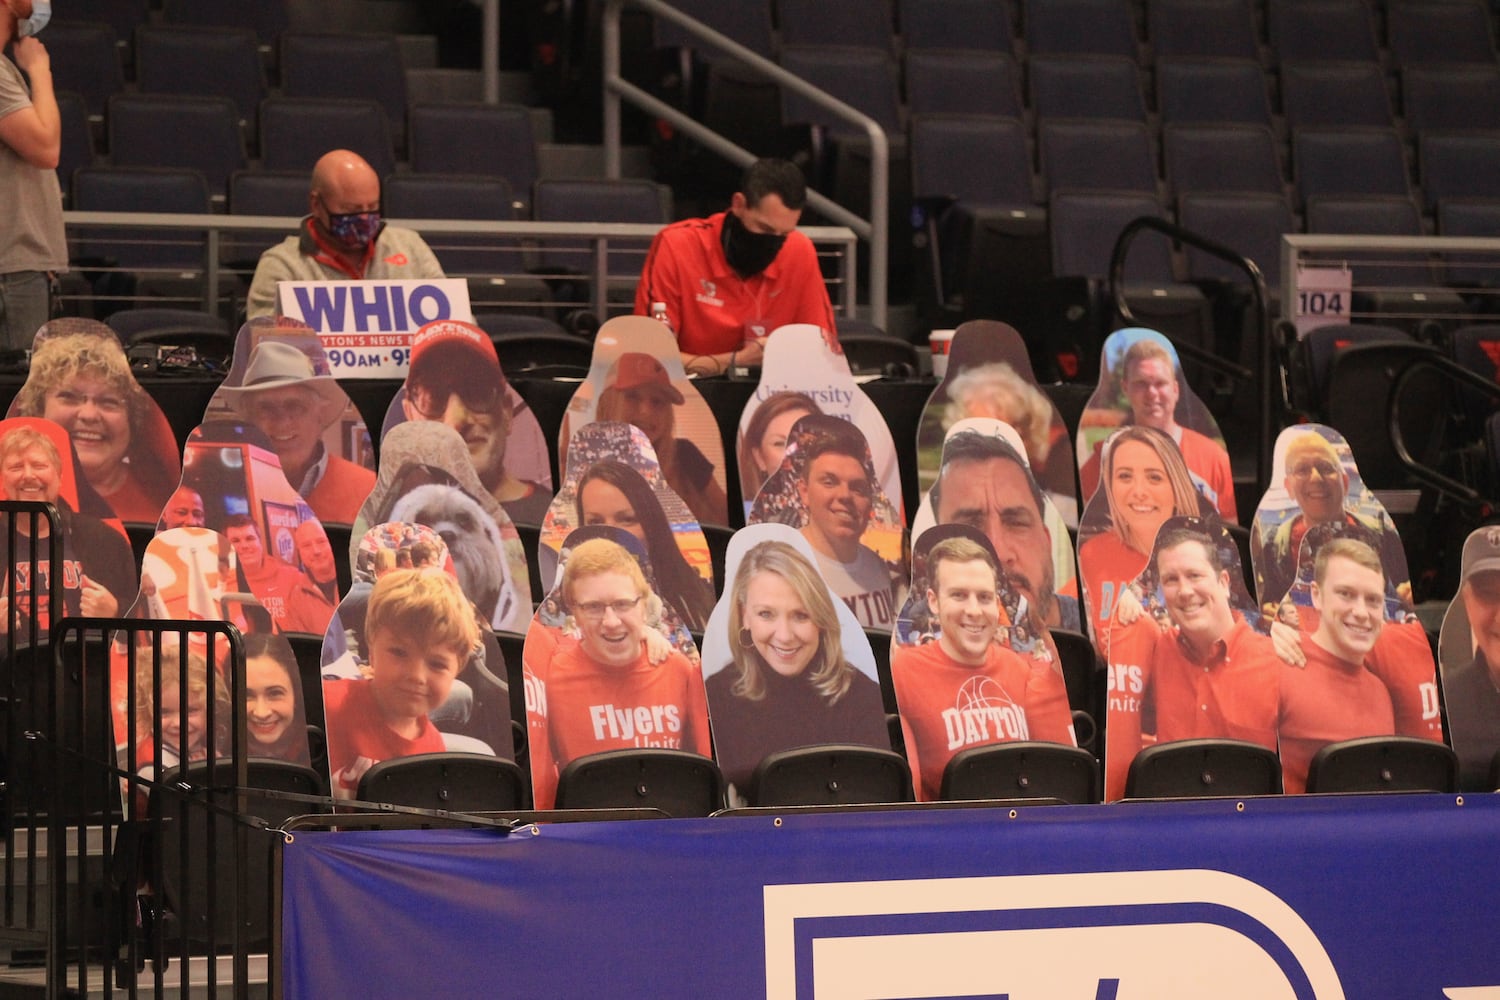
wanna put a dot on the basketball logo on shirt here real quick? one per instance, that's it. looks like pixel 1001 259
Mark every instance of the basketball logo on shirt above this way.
pixel 984 712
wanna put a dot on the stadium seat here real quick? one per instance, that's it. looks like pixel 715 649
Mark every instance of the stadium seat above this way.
pixel 1215 159
pixel 78 149
pixel 954 82
pixel 1384 764
pixel 347 66
pixel 85 60
pixel 203 62
pixel 457 782
pixel 476 139
pixel 1323 92
pixel 1321 29
pixel 205 131
pixel 1085 86
pixel 1456 165
pixel 1098 27
pixel 1469 217
pixel 677 782
pixel 1457 96
pixel 1026 770
pixel 1450 31
pixel 831 775
pixel 1100 155
pixel 1190 89
pixel 1214 28
pixel 1344 161
pixel 980 25
pixel 1203 768
pixel 267 18
pixel 859 23
pixel 296 131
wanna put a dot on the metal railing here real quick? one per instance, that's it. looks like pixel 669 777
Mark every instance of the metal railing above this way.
pixel 605 242
pixel 617 88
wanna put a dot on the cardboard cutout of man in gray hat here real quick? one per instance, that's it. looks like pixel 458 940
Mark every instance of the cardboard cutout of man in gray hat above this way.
pixel 1470 659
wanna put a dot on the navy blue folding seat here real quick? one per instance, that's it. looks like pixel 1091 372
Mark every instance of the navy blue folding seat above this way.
pixel 1087 86
pixel 1458 165
pixel 1439 31
pixel 1334 92
pixel 121 15
pixel 204 135
pixel 147 261
pixel 1192 89
pixel 201 61
pixel 1097 154
pixel 85 60
pixel 1383 282
pixel 363 67
pixel 1234 157
pixel 1470 217
pixel 296 131
pixel 859 23
pixel 77 140
pixel 1224 28
pixel 1451 96
pixel 747 22
pixel 1100 27
pixel 1342 161
pixel 956 24
pixel 970 83
pixel 475 139
pixel 1321 29
pixel 262 192
pixel 626 200
pixel 267 18
pixel 1251 223
pixel 868 80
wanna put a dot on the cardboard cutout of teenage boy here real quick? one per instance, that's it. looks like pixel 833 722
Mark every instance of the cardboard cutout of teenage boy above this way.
pixel 786 663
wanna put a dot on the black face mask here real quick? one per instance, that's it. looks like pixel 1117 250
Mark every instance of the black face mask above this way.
pixel 748 253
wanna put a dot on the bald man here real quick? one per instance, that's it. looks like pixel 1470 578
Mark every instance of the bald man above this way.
pixel 342 237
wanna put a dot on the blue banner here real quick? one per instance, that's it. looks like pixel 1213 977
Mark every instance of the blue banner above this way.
pixel 1310 898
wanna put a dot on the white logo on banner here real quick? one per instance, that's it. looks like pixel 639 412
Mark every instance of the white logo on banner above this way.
pixel 1108 958
pixel 366 326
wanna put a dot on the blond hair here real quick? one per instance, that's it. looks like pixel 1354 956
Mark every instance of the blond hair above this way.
pixel 426 604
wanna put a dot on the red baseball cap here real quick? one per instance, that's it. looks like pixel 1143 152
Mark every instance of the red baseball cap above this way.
pixel 454 334
pixel 635 369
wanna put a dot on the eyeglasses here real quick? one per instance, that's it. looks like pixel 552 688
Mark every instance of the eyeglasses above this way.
pixel 430 398
pixel 594 610
pixel 1324 468
pixel 77 400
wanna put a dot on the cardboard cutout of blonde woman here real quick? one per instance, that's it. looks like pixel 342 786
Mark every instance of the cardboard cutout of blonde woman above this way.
pixel 406 616
pixel 786 663
pixel 1141 384
pixel 279 551
pixel 966 669
pixel 186 575
pixel 985 482
pixel 989 376
pixel 455 379
pixel 608 677
pixel 1469 657
pixel 799 360
pixel 1189 657
pixel 81 379
pixel 38 464
pixel 279 382
pixel 427 477
pixel 1317 496
pixel 612 479
pixel 637 378
pixel 827 488
pixel 1145 482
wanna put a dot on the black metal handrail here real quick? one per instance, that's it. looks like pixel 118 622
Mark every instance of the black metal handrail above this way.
pixel 1424 473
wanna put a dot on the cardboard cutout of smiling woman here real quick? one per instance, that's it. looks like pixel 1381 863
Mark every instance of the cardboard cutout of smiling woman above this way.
pixel 606 679
pixel 427 477
pixel 279 382
pixel 967 672
pixel 1188 653
pixel 637 378
pixel 409 664
pixel 455 378
pixel 786 663
pixel 1469 657
pixel 1141 384
pixel 827 488
pixel 81 379
pixel 799 360
pixel 612 479
pixel 38 464
pixel 989 376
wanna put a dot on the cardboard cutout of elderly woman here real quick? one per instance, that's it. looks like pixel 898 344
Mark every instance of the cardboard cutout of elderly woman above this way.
pixel 612 479
pixel 989 376
pixel 799 360
pixel 786 663
pixel 637 378
pixel 455 378
pixel 283 388
pixel 427 477
pixel 1141 384
pixel 603 680
pixel 81 379
pixel 37 464
pixel 827 488
pixel 407 616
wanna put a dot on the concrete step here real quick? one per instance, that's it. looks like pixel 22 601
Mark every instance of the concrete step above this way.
pixel 89 981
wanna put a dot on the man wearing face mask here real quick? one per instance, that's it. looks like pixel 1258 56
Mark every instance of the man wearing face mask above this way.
pixel 728 280
pixel 32 242
pixel 343 237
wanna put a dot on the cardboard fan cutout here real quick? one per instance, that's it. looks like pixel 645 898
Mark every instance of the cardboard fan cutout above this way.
pixel 409 666
pixel 1141 384
pixel 967 671
pixel 427 477
pixel 799 360
pixel 612 479
pixel 279 382
pixel 81 379
pixel 984 481
pixel 637 378
pixel 827 488
pixel 786 663
pixel 609 675
pixel 989 376
pixel 1469 656
pixel 455 378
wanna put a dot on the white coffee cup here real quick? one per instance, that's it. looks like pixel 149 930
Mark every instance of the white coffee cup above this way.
pixel 940 340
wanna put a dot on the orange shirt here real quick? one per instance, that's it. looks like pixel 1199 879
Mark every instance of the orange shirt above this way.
pixel 1327 701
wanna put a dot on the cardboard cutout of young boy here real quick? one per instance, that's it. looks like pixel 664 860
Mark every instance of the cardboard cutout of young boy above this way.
pixel 827 488
pixel 608 677
pixel 81 379
pixel 1469 658
pixel 280 552
pixel 989 376
pixel 612 478
pixel 637 378
pixel 799 360
pixel 984 481
pixel 1141 384
pixel 279 382
pixel 409 665
pixel 38 464
pixel 786 663
pixel 427 477
pixel 455 378
pixel 966 671
pixel 1188 653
